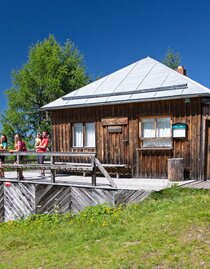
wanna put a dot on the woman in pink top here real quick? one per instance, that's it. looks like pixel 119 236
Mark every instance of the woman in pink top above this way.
pixel 20 145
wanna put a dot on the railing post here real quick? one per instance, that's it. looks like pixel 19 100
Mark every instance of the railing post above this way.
pixel 19 170
pixel 52 170
pixel 93 164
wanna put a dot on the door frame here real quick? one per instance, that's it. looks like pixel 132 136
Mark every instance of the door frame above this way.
pixel 207 150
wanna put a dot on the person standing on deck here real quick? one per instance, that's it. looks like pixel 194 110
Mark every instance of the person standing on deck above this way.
pixel 20 145
pixel 3 147
pixel 38 140
pixel 42 147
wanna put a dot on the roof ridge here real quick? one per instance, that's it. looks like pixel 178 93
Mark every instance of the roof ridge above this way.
pixel 183 76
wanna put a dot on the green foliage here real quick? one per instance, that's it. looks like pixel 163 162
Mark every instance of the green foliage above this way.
pixel 170 229
pixel 97 215
pixel 172 59
pixel 52 70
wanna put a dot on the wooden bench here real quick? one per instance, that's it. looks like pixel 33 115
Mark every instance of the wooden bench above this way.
pixel 105 165
pixel 116 166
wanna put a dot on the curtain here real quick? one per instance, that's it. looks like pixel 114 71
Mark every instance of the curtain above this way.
pixel 163 127
pixel 90 135
pixel 148 128
pixel 78 135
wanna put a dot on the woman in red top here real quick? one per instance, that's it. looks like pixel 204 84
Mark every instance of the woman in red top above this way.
pixel 42 147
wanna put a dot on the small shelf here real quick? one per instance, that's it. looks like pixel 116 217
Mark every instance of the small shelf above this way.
pixel 154 148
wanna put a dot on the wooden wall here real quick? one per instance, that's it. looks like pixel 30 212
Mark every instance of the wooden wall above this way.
pixel 19 200
pixel 148 164
pixel 205 141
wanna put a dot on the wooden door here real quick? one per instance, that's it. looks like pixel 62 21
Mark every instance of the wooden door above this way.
pixel 116 143
pixel 208 149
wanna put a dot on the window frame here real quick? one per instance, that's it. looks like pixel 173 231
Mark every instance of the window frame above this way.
pixel 155 138
pixel 84 136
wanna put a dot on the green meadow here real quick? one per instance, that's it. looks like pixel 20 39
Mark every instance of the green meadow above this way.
pixel 170 229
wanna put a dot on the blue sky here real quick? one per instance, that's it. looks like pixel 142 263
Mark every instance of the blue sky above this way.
pixel 110 34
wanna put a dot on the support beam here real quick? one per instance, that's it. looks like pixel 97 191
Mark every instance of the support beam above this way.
pixel 105 173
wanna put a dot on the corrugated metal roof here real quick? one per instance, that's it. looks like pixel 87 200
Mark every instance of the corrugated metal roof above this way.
pixel 145 80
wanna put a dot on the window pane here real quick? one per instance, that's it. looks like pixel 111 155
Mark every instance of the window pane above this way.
pixel 90 135
pixel 77 135
pixel 148 128
pixel 163 127
pixel 157 143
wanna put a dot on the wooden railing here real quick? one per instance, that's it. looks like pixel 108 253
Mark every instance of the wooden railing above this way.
pixel 54 166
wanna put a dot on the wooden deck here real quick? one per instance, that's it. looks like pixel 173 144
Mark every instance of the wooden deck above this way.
pixel 68 192
pixel 195 184
pixel 33 176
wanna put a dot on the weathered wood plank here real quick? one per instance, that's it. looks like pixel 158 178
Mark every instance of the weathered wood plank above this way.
pixel 51 198
pixel 83 197
pixel 105 173
pixel 176 169
pixel 48 153
pixel 52 167
pixel 130 196
pixel 114 121
pixel 19 201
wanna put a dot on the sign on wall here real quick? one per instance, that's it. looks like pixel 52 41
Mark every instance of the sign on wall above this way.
pixel 179 130
pixel 114 129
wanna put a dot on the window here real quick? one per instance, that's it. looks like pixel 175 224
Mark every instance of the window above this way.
pixel 83 135
pixel 156 132
pixel 77 135
pixel 90 134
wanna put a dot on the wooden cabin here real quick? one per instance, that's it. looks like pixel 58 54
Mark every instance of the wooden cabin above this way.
pixel 137 118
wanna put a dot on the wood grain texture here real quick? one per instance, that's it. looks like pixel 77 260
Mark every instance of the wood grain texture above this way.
pixel 130 196
pixel 19 201
pixel 176 169
pixel 51 198
pixel 114 121
pixel 83 197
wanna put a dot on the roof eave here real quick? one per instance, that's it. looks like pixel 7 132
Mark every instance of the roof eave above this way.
pixel 126 101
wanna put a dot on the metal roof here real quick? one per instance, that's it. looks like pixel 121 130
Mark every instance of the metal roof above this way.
pixel 145 80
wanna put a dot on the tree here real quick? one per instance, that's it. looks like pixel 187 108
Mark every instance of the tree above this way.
pixel 52 70
pixel 172 59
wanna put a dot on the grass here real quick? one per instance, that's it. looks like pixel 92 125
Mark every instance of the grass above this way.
pixel 168 230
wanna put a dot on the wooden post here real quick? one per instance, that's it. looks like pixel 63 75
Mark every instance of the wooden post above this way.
pixel 176 169
pixel 52 170
pixel 19 174
pixel 137 163
pixel 93 164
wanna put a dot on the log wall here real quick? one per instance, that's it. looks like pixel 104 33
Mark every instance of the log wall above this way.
pixel 113 148
pixel 205 141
